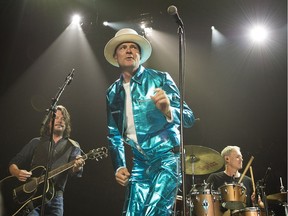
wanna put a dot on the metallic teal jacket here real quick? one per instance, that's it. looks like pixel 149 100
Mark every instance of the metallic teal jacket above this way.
pixel 155 134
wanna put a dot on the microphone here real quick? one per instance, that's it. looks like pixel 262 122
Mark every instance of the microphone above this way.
pixel 266 175
pixel 172 10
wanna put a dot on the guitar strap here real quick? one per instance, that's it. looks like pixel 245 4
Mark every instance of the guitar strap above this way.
pixel 73 142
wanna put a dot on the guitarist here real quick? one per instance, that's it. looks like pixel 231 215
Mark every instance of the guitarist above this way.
pixel 35 154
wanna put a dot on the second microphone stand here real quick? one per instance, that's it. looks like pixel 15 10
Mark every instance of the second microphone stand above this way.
pixel 51 112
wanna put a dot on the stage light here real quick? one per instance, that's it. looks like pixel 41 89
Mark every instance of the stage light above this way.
pixel 148 31
pixel 105 23
pixel 217 38
pixel 258 34
pixel 76 19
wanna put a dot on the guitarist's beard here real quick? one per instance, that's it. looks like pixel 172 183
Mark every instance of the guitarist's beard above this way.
pixel 59 131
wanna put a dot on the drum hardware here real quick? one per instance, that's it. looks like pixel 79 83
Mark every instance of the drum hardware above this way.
pixel 257 194
pixel 261 186
pixel 193 160
pixel 282 189
pixel 179 207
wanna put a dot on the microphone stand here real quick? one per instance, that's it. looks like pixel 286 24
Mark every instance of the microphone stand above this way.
pixel 52 112
pixel 181 89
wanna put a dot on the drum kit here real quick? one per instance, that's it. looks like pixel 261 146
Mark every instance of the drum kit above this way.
pixel 228 200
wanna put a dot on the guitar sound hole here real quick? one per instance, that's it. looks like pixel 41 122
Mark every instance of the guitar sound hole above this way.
pixel 30 186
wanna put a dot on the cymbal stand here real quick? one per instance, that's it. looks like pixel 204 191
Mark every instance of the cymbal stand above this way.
pixel 193 159
pixel 282 190
pixel 285 205
pixel 190 203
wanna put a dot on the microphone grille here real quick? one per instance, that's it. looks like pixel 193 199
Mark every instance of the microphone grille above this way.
pixel 172 10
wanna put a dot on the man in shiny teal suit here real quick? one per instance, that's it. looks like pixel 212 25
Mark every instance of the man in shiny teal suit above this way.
pixel 143 111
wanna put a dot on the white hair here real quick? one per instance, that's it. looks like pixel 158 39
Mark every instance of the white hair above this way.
pixel 227 150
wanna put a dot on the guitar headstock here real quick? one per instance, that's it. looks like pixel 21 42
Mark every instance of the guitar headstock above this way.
pixel 96 154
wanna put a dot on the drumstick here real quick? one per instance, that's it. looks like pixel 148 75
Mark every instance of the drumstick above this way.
pixel 252 178
pixel 246 168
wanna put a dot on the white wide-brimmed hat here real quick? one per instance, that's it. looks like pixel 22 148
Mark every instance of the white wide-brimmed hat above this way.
pixel 127 35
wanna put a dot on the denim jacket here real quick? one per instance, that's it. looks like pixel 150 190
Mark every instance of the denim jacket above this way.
pixel 154 133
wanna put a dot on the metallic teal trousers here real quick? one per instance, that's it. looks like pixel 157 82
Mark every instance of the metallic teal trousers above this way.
pixel 153 186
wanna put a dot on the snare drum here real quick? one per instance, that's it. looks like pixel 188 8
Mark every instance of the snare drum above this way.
pixel 233 196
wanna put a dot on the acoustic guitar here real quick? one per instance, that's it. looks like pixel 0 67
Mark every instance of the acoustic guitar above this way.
pixel 19 198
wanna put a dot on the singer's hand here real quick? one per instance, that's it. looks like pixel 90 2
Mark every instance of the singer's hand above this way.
pixel 162 102
pixel 122 176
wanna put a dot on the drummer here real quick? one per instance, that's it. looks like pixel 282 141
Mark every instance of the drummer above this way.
pixel 233 163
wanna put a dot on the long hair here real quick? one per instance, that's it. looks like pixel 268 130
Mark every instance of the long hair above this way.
pixel 45 130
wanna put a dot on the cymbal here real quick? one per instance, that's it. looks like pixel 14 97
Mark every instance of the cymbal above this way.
pixel 281 197
pixel 205 160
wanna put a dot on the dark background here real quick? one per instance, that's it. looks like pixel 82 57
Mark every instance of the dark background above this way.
pixel 237 90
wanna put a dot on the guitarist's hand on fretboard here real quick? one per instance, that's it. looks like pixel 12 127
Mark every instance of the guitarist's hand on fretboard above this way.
pixel 78 164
